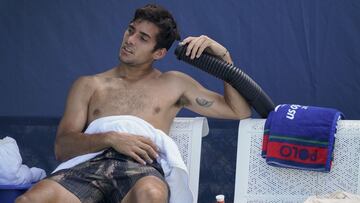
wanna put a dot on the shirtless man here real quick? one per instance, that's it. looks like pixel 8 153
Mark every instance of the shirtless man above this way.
pixel 136 88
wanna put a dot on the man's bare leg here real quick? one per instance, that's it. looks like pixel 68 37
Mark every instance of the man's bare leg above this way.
pixel 148 189
pixel 47 191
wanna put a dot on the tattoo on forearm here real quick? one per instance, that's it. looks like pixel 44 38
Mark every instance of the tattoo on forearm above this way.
pixel 203 102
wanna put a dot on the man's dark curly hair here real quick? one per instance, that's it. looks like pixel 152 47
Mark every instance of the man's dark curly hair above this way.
pixel 163 20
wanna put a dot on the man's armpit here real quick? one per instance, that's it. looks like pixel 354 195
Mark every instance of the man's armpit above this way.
pixel 182 101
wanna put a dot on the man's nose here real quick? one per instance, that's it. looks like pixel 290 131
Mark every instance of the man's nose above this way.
pixel 131 39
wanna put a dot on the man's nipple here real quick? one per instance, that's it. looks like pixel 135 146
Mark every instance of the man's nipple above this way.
pixel 96 112
pixel 157 110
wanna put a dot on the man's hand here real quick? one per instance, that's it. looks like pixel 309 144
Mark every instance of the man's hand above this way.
pixel 197 45
pixel 140 148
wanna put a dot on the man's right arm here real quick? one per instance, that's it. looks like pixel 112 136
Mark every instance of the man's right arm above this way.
pixel 71 141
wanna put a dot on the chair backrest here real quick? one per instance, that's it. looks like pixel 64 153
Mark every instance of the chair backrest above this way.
pixel 258 182
pixel 187 133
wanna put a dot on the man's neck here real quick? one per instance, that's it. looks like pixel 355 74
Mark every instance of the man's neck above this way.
pixel 134 73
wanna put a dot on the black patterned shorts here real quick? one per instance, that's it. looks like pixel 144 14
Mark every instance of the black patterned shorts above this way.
pixel 108 177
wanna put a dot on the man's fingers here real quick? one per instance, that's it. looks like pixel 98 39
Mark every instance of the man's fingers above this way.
pixel 198 44
pixel 137 158
pixel 149 150
pixel 144 155
pixel 186 40
pixel 202 48
pixel 140 148
pixel 148 141
pixel 190 46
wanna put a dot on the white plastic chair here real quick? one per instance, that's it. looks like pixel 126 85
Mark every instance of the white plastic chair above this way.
pixel 187 133
pixel 258 182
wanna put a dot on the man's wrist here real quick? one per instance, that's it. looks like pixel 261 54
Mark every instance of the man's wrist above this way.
pixel 109 139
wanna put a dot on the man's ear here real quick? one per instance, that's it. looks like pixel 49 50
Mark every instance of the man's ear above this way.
pixel 159 53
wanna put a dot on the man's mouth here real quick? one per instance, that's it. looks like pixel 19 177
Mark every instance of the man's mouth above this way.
pixel 127 50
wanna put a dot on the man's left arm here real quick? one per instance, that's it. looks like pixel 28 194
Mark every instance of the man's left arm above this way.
pixel 232 105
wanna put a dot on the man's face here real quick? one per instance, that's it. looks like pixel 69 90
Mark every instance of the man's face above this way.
pixel 138 43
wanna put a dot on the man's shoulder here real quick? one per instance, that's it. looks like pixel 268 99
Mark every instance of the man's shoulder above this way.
pixel 176 75
pixel 179 78
pixel 86 80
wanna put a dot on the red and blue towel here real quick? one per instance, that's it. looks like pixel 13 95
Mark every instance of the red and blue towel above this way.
pixel 300 137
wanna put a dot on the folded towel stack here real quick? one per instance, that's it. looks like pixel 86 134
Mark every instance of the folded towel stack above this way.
pixel 300 137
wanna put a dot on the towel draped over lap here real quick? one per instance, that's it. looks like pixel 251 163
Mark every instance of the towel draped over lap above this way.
pixel 170 159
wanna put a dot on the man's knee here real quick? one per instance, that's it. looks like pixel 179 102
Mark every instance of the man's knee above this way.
pixel 23 199
pixel 153 190
pixel 47 191
pixel 26 198
pixel 31 195
pixel 154 194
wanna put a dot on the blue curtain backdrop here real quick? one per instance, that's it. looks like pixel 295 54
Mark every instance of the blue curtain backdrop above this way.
pixel 304 51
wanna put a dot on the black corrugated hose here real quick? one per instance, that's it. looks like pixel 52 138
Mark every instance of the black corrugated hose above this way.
pixel 246 86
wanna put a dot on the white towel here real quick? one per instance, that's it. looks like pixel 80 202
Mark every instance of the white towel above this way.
pixel 175 171
pixel 12 171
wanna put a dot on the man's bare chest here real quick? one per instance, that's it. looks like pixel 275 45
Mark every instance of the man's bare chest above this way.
pixel 122 98
pixel 130 99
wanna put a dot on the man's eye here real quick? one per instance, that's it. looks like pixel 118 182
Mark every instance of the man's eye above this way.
pixel 130 30
pixel 143 39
